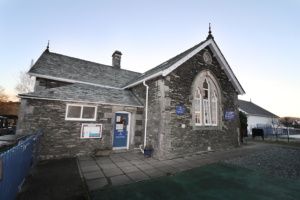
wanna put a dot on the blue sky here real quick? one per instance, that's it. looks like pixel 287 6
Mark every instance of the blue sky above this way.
pixel 259 39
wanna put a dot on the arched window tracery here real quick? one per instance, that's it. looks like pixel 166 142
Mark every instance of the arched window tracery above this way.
pixel 206 101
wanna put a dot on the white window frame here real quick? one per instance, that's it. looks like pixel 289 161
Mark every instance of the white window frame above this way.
pixel 80 119
pixel 216 107
pixel 208 100
pixel 198 107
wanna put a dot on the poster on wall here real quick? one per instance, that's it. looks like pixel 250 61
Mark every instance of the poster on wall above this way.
pixel 229 115
pixel 91 131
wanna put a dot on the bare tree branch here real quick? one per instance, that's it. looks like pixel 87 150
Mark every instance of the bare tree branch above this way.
pixel 275 122
pixel 25 83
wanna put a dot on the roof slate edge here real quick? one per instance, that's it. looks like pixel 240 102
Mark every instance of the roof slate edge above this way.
pixel 32 97
pixel 71 80
pixel 188 56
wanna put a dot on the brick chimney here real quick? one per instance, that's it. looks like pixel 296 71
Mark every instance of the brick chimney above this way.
pixel 116 59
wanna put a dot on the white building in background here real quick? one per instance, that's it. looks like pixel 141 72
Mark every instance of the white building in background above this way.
pixel 255 115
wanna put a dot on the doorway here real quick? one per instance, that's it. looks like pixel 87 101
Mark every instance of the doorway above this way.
pixel 121 130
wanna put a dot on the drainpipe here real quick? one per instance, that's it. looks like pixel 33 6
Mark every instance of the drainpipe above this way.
pixel 146 113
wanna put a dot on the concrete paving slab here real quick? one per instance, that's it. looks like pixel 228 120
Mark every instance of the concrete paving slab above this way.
pixel 158 164
pixel 168 169
pixel 96 183
pixel 112 172
pixel 154 173
pixel 138 176
pixel 129 158
pixel 93 175
pixel 123 164
pixel 90 168
pixel 87 163
pixel 169 162
pixel 180 160
pixel 86 158
pixel 119 159
pixel 145 166
pixel 181 166
pixel 103 160
pixel 114 155
pixel 130 169
pixel 120 180
pixel 107 165
pixel 149 160
pixel 137 162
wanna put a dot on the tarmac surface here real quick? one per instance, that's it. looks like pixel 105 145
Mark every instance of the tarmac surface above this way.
pixel 54 180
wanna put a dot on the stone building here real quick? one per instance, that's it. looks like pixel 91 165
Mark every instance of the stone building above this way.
pixel 185 105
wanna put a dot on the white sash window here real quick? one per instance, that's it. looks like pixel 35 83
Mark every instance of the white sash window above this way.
pixel 214 110
pixel 198 114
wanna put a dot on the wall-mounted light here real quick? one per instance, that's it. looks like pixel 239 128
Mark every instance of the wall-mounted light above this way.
pixel 207 72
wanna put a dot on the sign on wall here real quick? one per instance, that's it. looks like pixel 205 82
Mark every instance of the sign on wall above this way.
pixel 180 110
pixel 229 115
pixel 91 131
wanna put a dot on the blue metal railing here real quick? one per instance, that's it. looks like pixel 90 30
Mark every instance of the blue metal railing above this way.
pixel 11 165
pixel 37 144
pixel 27 152
pixel 16 166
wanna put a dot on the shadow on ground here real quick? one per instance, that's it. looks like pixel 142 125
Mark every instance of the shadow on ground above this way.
pixel 214 181
pixel 56 179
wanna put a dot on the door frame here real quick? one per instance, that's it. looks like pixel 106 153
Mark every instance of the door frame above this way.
pixel 128 130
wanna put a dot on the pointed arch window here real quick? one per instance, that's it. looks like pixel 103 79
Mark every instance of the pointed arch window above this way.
pixel 206 103
pixel 198 114
pixel 214 110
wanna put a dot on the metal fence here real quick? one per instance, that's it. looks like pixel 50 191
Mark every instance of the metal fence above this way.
pixel 268 130
pixel 37 143
pixel 16 166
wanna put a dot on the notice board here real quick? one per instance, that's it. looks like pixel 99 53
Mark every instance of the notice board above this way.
pixel 91 131
pixel 229 115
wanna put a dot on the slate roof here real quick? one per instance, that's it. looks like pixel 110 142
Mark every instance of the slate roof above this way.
pixel 88 93
pixel 253 109
pixel 164 65
pixel 61 66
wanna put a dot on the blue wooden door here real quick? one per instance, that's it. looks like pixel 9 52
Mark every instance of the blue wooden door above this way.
pixel 120 130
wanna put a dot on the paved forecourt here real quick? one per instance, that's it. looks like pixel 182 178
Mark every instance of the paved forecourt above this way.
pixel 125 167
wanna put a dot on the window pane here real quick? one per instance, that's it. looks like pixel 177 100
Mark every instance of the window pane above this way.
pixel 88 113
pixel 206 112
pixel 74 111
pixel 214 113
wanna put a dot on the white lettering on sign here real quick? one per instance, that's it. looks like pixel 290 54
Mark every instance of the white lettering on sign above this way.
pixel 119 126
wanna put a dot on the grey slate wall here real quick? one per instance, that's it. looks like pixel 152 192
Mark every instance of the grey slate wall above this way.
pixel 176 141
pixel 61 138
pixel 164 130
pixel 42 84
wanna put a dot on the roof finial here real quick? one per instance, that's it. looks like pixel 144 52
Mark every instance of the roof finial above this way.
pixel 209 34
pixel 47 50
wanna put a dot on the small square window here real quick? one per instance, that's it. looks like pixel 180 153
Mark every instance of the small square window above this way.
pixel 81 113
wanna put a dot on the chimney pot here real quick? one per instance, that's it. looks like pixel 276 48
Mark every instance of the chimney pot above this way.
pixel 116 59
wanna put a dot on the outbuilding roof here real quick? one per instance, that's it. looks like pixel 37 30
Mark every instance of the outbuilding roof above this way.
pixel 79 92
pixel 56 66
pixel 253 109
